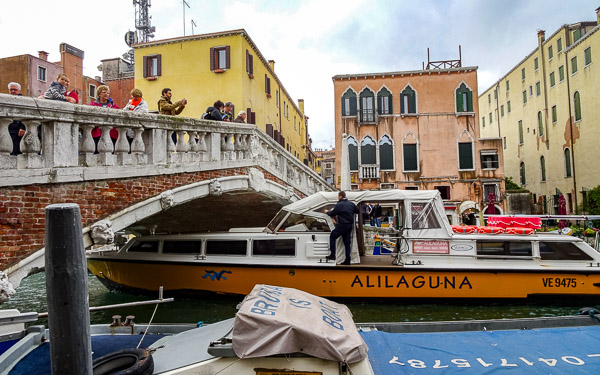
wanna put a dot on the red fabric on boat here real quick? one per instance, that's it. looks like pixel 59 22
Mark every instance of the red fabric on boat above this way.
pixel 521 222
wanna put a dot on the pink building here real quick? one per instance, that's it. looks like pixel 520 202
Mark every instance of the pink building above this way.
pixel 419 130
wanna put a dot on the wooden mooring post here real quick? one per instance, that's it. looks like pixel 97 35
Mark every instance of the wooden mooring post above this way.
pixel 67 292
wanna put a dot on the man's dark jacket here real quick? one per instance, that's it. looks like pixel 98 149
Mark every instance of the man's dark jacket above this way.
pixel 344 210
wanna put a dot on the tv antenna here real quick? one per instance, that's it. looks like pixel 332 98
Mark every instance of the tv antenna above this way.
pixel 142 20
pixel 184 4
pixel 193 24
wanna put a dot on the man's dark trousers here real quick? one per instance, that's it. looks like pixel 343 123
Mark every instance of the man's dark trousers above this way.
pixel 344 230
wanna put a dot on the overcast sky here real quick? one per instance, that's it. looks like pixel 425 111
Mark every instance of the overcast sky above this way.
pixel 310 40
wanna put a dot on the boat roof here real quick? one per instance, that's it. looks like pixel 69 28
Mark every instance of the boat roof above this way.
pixel 323 197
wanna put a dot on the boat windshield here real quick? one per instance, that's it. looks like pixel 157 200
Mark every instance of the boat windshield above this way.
pixel 303 223
pixel 423 215
pixel 276 220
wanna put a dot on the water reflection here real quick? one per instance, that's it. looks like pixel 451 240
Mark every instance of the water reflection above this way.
pixel 31 296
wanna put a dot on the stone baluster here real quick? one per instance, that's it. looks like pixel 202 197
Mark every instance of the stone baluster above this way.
pixel 105 145
pixel 137 146
pixel 238 147
pixel 227 147
pixel 192 142
pixel 122 145
pixel 202 147
pixel 181 145
pixel 170 143
pixel 6 145
pixel 86 143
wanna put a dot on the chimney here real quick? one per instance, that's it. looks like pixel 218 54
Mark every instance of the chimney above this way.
pixel 541 35
pixel 97 78
pixel 272 64
pixel 43 55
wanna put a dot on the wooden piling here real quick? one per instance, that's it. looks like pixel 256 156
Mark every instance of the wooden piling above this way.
pixel 67 292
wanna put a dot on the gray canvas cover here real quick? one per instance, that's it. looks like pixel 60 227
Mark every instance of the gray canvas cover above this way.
pixel 275 320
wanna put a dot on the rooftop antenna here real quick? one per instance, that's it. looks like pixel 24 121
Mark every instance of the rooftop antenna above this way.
pixel 193 24
pixel 185 4
pixel 142 20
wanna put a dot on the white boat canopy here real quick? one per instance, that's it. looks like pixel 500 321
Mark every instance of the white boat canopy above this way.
pixel 274 320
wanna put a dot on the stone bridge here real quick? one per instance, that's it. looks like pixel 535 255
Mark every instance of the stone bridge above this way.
pixel 217 175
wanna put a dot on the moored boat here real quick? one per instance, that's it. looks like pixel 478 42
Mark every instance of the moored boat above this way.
pixel 428 258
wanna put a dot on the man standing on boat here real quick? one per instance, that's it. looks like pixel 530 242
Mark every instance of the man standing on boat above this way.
pixel 345 211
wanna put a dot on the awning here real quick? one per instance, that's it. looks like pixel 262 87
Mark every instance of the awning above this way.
pixel 468 205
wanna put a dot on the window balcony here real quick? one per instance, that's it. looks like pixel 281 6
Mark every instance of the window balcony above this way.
pixel 369 171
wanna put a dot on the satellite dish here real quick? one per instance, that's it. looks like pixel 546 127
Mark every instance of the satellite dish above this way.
pixel 131 38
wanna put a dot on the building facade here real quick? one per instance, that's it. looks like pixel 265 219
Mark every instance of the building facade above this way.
pixel 35 74
pixel 224 66
pixel 419 130
pixel 546 111
pixel 326 165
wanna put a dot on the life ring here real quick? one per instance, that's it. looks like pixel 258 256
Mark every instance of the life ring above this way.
pixel 490 230
pixel 519 230
pixel 125 362
pixel 464 229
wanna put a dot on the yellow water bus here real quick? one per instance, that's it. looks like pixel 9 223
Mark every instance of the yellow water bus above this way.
pixel 429 260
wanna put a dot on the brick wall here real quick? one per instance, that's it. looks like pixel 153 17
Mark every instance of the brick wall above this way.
pixel 22 209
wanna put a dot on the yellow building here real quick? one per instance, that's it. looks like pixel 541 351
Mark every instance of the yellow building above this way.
pixel 546 111
pixel 224 66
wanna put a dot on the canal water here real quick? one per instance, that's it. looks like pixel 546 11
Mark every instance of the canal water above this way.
pixel 31 296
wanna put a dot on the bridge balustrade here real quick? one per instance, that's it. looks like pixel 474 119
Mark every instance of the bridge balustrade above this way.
pixel 58 145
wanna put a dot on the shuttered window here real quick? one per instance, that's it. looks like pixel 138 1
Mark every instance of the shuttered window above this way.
pixel 543 168
pixel 353 153
pixel 152 66
pixel 220 58
pixel 409 155
pixel 386 153
pixel 464 99
pixel 465 156
pixel 408 101
pixel 349 103
pixel 540 124
pixel 268 86
pixel 522 174
pixel 368 151
pixel 384 102
pixel 567 162
pixel 577 105
pixel 249 64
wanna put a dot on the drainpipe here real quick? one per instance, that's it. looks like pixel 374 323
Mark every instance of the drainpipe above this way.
pixel 541 39
pixel 497 107
pixel 567 43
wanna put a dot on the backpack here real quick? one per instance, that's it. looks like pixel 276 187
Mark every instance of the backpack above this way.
pixel 206 115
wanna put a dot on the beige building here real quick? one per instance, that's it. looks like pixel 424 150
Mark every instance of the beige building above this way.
pixel 419 130
pixel 546 111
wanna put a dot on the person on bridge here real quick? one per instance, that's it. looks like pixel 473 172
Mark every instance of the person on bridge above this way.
pixel 166 107
pixel 104 100
pixel 228 112
pixel 58 90
pixel 241 117
pixel 214 112
pixel 16 129
pixel 345 211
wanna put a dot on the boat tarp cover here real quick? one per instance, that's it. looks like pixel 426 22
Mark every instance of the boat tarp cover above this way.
pixel 274 320
pixel 566 350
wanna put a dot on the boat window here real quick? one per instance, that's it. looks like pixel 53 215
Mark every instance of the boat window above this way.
pixel 276 220
pixel 325 207
pixel 423 216
pixel 214 247
pixel 303 223
pixel 503 248
pixel 562 251
pixel 144 247
pixel 182 247
pixel 286 247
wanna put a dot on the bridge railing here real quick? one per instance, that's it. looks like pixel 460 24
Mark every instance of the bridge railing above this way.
pixel 58 145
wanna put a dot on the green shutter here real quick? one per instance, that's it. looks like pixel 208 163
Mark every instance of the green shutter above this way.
pixel 410 158
pixel 465 155
pixel 459 101
pixel 412 103
pixel 353 153
pixel 386 156
pixel 470 101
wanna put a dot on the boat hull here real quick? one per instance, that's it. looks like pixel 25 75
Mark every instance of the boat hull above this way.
pixel 347 281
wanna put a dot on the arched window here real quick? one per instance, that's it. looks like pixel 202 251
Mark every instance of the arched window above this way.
pixel 410 153
pixel 367 106
pixel 386 153
pixel 577 105
pixel 567 162
pixel 349 103
pixel 353 153
pixel 522 172
pixel 543 168
pixel 464 99
pixel 540 124
pixel 384 102
pixel 408 101
pixel 368 151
